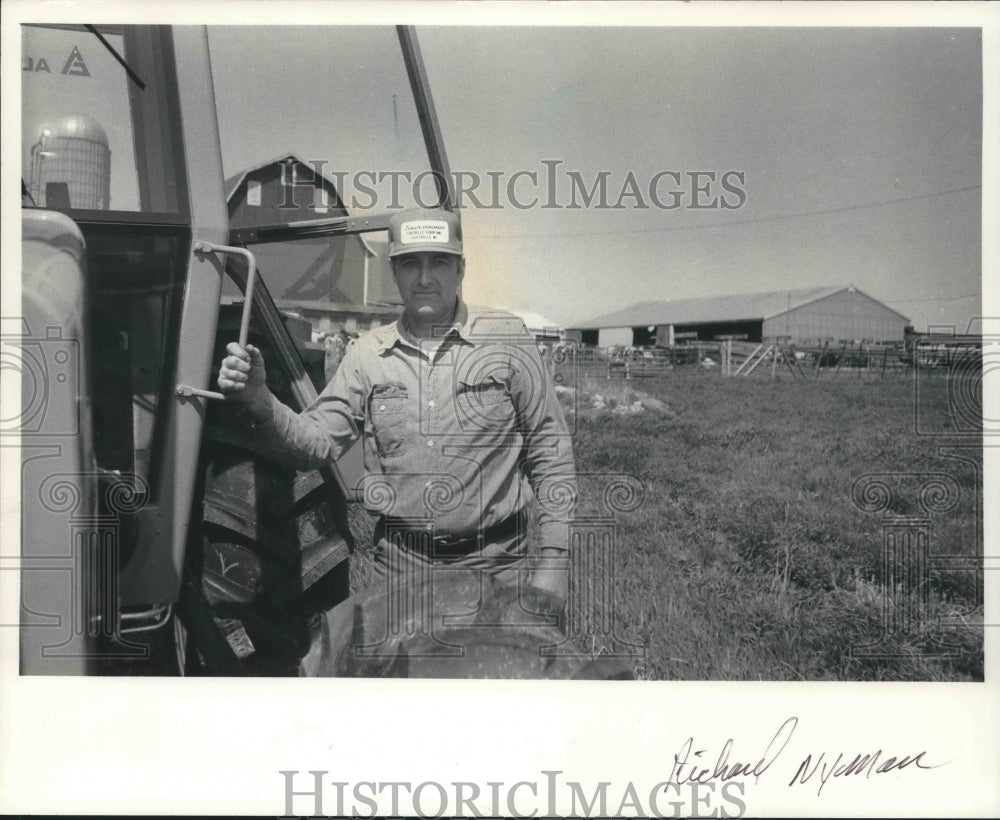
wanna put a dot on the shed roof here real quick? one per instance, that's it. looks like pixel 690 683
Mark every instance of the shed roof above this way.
pixel 744 307
pixel 535 322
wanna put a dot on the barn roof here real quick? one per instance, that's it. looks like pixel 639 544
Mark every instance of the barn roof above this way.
pixel 233 183
pixel 744 307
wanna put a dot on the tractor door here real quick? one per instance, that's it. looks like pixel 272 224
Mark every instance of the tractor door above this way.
pixel 120 139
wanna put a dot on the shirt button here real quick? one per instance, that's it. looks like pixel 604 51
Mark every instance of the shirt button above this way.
pixel 430 403
pixel 430 443
pixel 381 407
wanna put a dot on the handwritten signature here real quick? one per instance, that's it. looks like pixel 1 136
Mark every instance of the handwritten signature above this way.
pixel 689 765
pixel 859 764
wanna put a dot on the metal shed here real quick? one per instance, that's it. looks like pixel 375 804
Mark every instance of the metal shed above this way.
pixel 811 314
pixel 544 330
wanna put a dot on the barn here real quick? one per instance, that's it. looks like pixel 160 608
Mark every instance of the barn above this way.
pixel 336 282
pixel 834 313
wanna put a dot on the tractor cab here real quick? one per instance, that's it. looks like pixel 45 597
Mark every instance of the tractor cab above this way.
pixel 156 536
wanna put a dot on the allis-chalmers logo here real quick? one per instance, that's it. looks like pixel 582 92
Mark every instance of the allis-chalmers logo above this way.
pixel 73 67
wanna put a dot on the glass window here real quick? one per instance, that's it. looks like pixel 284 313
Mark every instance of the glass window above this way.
pixel 342 272
pixel 99 140
pixel 136 288
pixel 340 97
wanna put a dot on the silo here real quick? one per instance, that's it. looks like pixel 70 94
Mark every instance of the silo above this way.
pixel 71 165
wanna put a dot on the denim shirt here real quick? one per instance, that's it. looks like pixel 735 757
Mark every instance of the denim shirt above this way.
pixel 456 429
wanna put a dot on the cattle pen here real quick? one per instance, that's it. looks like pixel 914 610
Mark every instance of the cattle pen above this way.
pixel 799 359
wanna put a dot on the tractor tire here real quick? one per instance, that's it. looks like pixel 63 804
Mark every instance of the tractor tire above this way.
pixel 466 624
pixel 269 545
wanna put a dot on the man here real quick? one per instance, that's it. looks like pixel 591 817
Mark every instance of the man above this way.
pixel 334 347
pixel 458 417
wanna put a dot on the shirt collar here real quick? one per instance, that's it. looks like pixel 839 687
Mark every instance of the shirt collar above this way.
pixel 395 333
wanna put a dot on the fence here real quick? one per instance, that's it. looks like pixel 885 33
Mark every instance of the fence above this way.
pixel 619 362
pixel 813 358
pixel 802 360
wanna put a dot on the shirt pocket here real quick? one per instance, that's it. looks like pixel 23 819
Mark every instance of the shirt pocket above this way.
pixel 484 404
pixel 390 410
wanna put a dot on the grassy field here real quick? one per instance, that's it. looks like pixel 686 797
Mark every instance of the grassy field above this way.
pixel 748 558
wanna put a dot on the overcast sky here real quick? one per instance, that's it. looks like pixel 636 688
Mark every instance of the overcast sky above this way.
pixel 859 151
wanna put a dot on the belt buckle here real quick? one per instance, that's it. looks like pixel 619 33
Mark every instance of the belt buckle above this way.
pixel 447 541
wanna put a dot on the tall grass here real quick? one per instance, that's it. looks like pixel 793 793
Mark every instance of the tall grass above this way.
pixel 748 559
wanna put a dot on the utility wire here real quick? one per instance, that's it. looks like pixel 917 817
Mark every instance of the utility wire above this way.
pixel 737 222
pixel 941 298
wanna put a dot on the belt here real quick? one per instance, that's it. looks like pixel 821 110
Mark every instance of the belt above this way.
pixel 416 539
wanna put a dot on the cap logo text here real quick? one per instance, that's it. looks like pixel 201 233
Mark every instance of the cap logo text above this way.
pixel 422 231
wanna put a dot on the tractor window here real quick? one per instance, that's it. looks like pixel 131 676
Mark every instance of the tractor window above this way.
pixel 344 104
pixel 100 139
pixel 99 123
pixel 136 287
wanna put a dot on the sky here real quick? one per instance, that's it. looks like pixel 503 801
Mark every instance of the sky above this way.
pixel 850 155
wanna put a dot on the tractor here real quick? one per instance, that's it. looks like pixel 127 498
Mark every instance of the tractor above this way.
pixel 156 537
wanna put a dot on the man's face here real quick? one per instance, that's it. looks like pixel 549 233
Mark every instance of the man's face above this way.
pixel 428 282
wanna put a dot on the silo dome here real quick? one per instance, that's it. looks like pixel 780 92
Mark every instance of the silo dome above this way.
pixel 71 164
pixel 78 126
